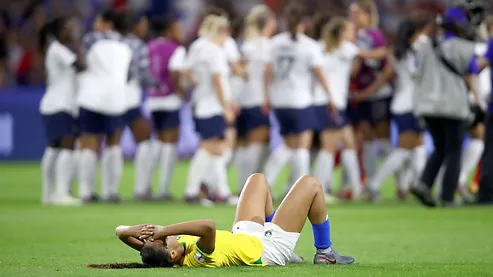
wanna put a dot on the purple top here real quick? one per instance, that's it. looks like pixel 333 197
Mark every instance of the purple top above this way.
pixel 160 53
pixel 371 38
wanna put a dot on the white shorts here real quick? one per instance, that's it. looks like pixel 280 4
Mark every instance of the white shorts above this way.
pixel 278 244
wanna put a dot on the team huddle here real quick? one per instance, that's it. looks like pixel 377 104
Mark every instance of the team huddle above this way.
pixel 341 86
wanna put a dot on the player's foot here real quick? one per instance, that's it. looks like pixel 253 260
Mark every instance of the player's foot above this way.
pixel 163 198
pixel 231 200
pixel 143 197
pixel 345 195
pixel 330 256
pixel 401 194
pixel 113 199
pixel 296 259
pixel 466 195
pixel 331 199
pixel 196 200
pixel 66 201
pixel 423 194
pixel 91 199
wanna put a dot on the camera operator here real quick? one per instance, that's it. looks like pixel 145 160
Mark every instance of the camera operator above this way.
pixel 441 100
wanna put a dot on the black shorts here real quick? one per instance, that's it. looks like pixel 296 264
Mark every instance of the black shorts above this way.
pixel 479 116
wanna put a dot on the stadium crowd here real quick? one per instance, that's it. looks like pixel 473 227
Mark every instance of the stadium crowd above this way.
pixel 333 80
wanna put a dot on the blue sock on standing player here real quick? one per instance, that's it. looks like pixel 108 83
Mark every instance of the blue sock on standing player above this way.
pixel 321 235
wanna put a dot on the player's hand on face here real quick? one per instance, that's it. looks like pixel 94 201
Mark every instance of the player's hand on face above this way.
pixel 147 232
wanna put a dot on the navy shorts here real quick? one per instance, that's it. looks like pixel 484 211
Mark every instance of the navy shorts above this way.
pixel 98 123
pixel 132 115
pixel 58 125
pixel 326 121
pixel 374 111
pixel 407 122
pixel 250 119
pixel 165 120
pixel 212 127
pixel 296 121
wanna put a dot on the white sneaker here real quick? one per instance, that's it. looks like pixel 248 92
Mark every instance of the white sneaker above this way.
pixel 206 203
pixel 233 200
pixel 67 201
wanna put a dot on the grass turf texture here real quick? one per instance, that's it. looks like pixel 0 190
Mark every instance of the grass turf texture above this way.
pixel 391 239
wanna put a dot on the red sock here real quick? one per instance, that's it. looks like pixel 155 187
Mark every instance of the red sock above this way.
pixel 338 158
pixel 474 185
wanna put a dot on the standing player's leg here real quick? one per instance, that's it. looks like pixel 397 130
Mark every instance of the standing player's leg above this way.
pixel 112 163
pixel 91 128
pixel 141 132
pixel 349 159
pixel 166 124
pixel 48 162
pixel 471 156
pixel 306 199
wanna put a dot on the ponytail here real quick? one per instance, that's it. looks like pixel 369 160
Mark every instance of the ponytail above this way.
pixel 256 20
pixel 294 17
pixel 332 31
pixel 370 7
pixel 319 24
pixel 407 29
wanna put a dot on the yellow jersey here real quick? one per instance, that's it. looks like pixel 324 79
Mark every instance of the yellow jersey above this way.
pixel 230 250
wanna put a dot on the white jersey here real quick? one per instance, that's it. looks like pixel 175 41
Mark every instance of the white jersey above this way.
pixel 172 102
pixel 403 100
pixel 103 84
pixel 292 64
pixel 256 53
pixel 483 84
pixel 210 59
pixel 337 67
pixel 60 92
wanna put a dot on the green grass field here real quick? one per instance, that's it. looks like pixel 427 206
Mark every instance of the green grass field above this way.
pixel 391 239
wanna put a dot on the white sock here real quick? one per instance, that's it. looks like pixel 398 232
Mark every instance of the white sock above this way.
pixel 64 172
pixel 196 171
pixel 211 180
pixel 386 147
pixel 228 156
pixel 116 169
pixel 300 163
pixel 349 160
pixel 391 164
pixel 106 174
pixel 254 153
pixel 75 165
pixel 169 156
pixel 418 162
pixel 219 170
pixel 48 168
pixel 470 159
pixel 87 173
pixel 242 171
pixel 323 169
pixel 276 162
pixel 370 159
pixel 155 157
pixel 263 158
pixel 142 162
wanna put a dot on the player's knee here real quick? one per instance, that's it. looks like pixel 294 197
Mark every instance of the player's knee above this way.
pixel 310 182
pixel 257 178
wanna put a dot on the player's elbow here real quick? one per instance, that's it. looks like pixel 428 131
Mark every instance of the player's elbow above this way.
pixel 209 226
pixel 120 231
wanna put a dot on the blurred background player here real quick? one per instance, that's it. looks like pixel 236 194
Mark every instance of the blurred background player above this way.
pixel 371 113
pixel 294 58
pixel 253 120
pixel 102 101
pixel 337 38
pixel 211 109
pixel 63 57
pixel 411 142
pixel 133 117
pixel 167 57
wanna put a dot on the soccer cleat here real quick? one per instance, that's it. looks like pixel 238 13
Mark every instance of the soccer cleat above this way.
pixel 91 199
pixel 66 201
pixel 330 199
pixel 332 257
pixel 198 201
pixel 113 199
pixel 231 200
pixel 401 194
pixel 423 194
pixel 143 197
pixel 466 195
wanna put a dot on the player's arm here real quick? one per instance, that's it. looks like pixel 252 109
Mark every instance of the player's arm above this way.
pixel 130 235
pixel 383 78
pixel 268 75
pixel 374 54
pixel 204 229
pixel 239 70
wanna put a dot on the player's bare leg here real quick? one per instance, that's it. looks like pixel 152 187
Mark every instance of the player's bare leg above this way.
pixel 255 204
pixel 306 199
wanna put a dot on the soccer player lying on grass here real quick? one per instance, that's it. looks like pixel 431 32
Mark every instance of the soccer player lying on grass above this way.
pixel 260 236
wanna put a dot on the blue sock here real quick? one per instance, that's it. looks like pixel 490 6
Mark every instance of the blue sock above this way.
pixel 321 235
pixel 269 218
